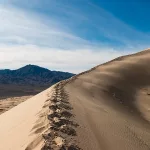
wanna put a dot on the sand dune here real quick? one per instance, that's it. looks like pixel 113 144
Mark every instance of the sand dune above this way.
pixel 112 104
pixel 105 108
pixel 22 126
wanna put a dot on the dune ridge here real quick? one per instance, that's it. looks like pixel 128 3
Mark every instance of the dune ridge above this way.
pixel 111 102
pixel 104 108
pixel 62 122
pixel 108 104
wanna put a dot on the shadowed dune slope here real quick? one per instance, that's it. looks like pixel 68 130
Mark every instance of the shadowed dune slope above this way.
pixel 112 104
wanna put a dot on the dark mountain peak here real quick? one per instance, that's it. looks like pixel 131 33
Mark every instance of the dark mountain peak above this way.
pixel 32 75
pixel 32 66
pixel 31 69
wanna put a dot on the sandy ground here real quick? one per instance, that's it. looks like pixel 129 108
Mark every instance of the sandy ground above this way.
pixel 105 108
pixel 112 104
pixel 22 126
pixel 8 103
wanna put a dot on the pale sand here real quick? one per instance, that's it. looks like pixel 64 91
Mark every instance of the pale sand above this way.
pixel 110 103
pixel 8 103
pixel 17 126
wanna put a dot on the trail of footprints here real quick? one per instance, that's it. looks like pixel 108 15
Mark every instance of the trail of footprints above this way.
pixel 62 124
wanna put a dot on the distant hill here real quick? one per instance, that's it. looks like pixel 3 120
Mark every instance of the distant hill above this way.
pixel 29 78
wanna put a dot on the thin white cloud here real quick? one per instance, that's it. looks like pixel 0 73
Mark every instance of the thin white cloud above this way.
pixel 19 27
pixel 55 59
pixel 91 20
pixel 64 25
pixel 31 38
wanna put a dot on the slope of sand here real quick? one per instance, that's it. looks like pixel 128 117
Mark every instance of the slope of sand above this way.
pixel 105 108
pixel 21 127
pixel 112 104
pixel 8 103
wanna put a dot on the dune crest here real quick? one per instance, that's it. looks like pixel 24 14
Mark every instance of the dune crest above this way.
pixel 105 108
pixel 112 104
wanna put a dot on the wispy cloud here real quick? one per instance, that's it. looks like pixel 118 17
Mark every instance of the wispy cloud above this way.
pixel 63 36
pixel 56 59
pixel 57 23
pixel 19 27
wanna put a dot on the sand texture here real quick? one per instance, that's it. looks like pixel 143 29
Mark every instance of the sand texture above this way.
pixel 112 104
pixel 105 108
pixel 22 126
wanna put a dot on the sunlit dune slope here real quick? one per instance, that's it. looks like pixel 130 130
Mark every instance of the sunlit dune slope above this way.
pixel 21 127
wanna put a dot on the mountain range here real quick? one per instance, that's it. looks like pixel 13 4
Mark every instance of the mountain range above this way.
pixel 30 78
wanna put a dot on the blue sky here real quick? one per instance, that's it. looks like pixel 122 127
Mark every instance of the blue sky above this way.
pixel 71 35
